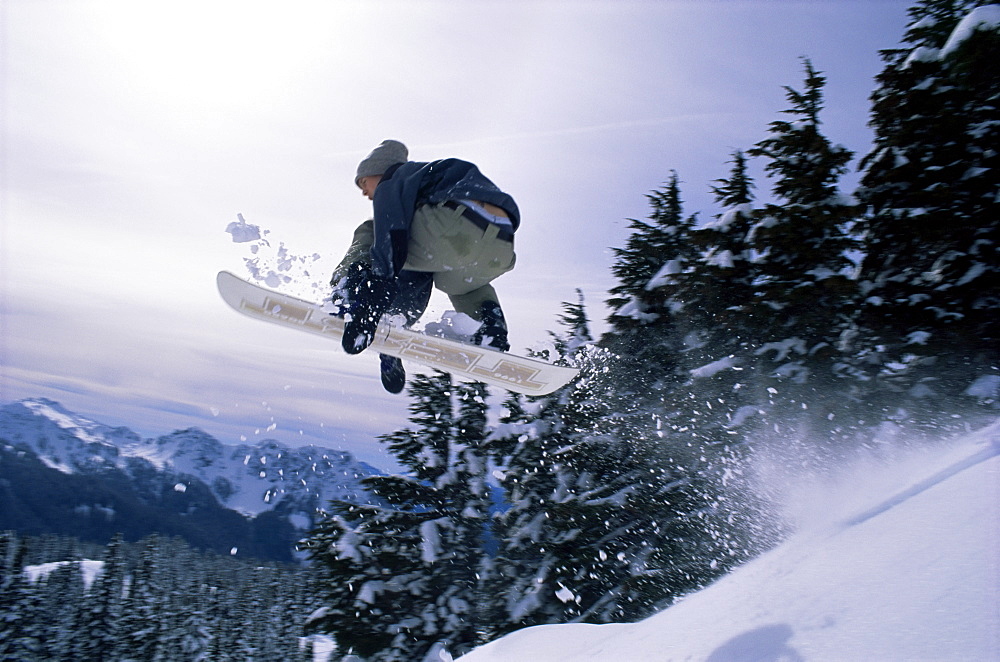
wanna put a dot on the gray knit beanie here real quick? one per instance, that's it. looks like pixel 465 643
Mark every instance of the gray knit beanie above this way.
pixel 389 153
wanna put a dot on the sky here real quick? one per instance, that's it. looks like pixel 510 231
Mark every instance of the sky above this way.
pixel 861 579
pixel 134 133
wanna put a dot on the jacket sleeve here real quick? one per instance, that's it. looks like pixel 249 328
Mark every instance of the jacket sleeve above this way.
pixel 359 250
pixel 394 204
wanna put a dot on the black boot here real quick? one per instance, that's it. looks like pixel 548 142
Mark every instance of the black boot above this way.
pixel 393 373
pixel 493 330
pixel 369 296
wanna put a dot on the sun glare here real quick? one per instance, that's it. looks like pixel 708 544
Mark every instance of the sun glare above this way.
pixel 207 55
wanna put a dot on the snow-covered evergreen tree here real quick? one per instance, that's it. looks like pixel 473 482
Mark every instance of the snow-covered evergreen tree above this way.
pixel 577 330
pixel 653 478
pixel 804 286
pixel 646 250
pixel 718 292
pixel 642 333
pixel 100 623
pixel 526 481
pixel 403 579
pixel 195 636
pixel 159 602
pixel 534 531
pixel 9 573
pixel 931 275
pixel 142 612
pixel 20 638
pixel 715 298
pixel 527 587
pixel 593 498
pixel 361 552
pixel 62 599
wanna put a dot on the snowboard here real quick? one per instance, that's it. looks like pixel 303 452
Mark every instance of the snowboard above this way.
pixel 464 361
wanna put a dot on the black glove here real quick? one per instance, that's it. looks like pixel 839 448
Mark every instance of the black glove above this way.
pixel 362 298
pixel 340 299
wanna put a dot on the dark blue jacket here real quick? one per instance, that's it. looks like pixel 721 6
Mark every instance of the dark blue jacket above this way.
pixel 408 186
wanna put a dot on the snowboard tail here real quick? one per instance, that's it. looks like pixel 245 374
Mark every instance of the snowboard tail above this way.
pixel 462 360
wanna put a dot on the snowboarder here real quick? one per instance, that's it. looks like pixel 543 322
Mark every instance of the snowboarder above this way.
pixel 437 224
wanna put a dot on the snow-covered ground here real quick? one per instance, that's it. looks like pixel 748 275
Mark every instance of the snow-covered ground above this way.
pixel 91 569
pixel 893 561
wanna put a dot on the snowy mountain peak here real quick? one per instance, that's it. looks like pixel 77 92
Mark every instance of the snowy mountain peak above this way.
pixel 248 478
pixel 192 446
pixel 82 428
pixel 62 439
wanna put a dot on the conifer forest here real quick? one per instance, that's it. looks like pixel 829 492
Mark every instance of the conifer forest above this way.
pixel 796 317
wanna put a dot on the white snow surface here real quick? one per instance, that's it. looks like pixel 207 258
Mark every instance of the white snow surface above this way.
pixel 896 561
pixel 91 569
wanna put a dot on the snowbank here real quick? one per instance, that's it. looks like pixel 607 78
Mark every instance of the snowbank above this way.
pixel 903 566
pixel 91 570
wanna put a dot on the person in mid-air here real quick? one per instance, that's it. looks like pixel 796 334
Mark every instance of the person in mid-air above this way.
pixel 436 224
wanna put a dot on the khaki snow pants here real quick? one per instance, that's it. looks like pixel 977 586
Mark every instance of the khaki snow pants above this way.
pixel 463 258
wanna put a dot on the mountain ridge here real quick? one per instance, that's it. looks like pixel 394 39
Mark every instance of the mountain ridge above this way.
pixel 283 485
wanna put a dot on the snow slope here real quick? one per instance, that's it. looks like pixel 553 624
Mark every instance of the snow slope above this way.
pixel 896 562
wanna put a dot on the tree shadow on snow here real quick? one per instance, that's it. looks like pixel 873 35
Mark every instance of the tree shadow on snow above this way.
pixel 765 644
